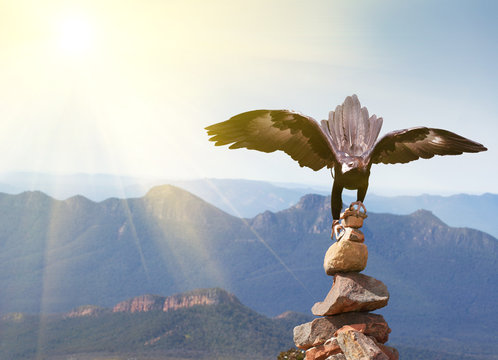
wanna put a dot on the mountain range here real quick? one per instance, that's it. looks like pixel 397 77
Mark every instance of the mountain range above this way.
pixel 200 324
pixel 56 255
pixel 248 198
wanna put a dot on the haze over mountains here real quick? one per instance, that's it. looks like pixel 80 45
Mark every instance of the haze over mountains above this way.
pixel 57 255
pixel 248 198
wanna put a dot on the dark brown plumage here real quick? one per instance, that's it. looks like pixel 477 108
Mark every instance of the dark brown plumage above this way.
pixel 346 142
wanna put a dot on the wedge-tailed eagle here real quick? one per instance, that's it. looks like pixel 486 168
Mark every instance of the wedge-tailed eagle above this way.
pixel 346 143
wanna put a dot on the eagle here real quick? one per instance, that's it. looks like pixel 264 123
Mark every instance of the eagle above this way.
pixel 346 143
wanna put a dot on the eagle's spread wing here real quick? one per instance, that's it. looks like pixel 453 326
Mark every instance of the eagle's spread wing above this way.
pixel 269 130
pixel 406 145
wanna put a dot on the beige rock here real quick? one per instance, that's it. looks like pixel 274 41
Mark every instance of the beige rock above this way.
pixel 352 292
pixel 353 222
pixel 357 346
pixel 345 256
pixel 353 234
pixel 354 327
pixel 379 331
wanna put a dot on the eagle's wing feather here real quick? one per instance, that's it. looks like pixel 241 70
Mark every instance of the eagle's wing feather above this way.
pixel 269 130
pixel 406 145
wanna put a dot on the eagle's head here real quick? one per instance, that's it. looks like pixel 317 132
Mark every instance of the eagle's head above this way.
pixel 353 164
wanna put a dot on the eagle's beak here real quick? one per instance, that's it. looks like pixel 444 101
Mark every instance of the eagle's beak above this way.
pixel 347 166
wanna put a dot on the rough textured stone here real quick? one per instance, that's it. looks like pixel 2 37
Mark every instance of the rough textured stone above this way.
pixel 345 256
pixel 353 221
pixel 378 331
pixel 321 352
pixel 353 234
pixel 355 327
pixel 331 341
pixel 318 331
pixel 336 357
pixel 352 292
pixel 358 346
pixel 353 217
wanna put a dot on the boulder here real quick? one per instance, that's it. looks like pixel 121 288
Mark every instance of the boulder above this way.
pixel 357 346
pixel 345 256
pixel 318 331
pixel 352 292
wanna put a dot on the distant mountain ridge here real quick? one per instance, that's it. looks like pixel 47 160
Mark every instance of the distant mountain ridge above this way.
pixel 221 328
pixel 224 330
pixel 149 302
pixel 57 255
pixel 247 198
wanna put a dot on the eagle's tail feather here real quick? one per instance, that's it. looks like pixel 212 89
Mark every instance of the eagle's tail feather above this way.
pixel 351 129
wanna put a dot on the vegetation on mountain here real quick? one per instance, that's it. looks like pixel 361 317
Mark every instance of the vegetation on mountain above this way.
pixel 57 255
pixel 227 329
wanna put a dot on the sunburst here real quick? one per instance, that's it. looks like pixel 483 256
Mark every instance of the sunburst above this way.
pixel 75 34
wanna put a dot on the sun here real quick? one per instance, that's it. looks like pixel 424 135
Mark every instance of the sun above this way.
pixel 75 34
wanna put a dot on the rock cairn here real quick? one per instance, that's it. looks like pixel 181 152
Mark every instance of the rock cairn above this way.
pixel 345 328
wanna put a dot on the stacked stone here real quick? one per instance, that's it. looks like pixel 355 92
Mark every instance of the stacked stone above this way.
pixel 346 330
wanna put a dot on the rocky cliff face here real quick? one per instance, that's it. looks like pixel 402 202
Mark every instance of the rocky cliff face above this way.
pixel 140 304
pixel 86 310
pixel 199 297
pixel 185 300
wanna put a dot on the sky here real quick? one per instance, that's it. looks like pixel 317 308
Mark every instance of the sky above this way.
pixel 126 87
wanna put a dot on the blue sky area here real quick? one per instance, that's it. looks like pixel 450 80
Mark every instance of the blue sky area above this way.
pixel 126 87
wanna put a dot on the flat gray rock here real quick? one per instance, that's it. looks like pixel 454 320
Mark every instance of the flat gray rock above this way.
pixel 352 292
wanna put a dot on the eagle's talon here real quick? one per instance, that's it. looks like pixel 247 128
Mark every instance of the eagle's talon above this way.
pixel 337 230
pixel 359 205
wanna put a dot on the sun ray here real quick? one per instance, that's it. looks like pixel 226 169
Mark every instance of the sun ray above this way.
pixel 103 134
pixel 258 236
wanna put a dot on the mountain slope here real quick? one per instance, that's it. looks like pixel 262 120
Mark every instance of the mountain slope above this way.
pixel 475 211
pixel 245 198
pixel 225 328
pixel 248 198
pixel 54 251
pixel 56 255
